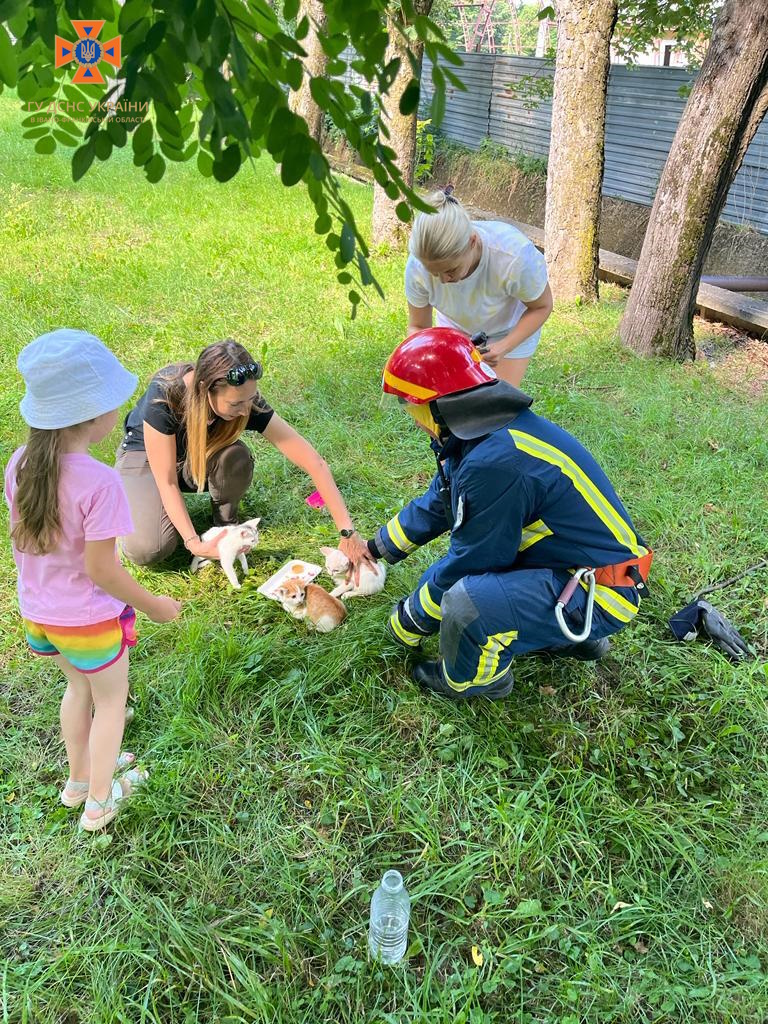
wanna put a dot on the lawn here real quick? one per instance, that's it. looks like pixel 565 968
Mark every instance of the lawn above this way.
pixel 600 837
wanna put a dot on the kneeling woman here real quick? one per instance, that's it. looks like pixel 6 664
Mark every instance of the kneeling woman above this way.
pixel 183 437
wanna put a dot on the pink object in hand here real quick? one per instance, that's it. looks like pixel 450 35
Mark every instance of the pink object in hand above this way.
pixel 315 500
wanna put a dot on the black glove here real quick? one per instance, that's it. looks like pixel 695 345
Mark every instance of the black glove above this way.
pixel 701 616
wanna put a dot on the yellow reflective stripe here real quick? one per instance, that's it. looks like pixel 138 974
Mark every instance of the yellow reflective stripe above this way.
pixel 398 537
pixel 533 533
pixel 428 604
pixel 459 687
pixel 615 604
pixel 412 639
pixel 489 656
pixel 414 390
pixel 596 500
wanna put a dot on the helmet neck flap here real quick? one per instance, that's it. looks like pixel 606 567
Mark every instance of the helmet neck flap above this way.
pixel 478 411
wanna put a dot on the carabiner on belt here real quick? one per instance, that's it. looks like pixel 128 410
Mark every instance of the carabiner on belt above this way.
pixel 565 597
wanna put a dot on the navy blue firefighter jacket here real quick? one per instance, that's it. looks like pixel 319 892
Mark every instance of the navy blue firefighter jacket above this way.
pixel 526 496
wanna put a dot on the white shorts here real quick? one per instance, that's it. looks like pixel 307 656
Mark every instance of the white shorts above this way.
pixel 524 350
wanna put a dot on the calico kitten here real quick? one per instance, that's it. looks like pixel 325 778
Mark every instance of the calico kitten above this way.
pixel 339 568
pixel 235 543
pixel 310 601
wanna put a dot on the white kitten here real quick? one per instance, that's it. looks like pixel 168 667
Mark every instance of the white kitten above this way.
pixel 235 543
pixel 339 568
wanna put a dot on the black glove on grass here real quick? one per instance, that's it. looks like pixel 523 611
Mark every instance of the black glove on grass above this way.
pixel 700 616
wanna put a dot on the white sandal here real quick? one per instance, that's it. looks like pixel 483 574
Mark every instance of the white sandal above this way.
pixel 79 790
pixel 109 807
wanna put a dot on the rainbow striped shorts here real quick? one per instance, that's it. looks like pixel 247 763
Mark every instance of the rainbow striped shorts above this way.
pixel 88 648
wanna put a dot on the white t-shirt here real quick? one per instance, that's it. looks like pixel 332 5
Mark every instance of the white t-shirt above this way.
pixel 511 272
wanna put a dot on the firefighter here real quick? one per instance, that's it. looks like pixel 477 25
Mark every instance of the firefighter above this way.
pixel 543 556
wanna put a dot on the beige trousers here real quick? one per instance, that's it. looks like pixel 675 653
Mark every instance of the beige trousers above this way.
pixel 230 472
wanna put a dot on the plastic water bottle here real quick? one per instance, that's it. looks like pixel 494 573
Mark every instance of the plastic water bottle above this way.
pixel 390 912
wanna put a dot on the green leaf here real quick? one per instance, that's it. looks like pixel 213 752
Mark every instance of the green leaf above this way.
pixel 437 106
pixel 130 13
pixel 46 145
pixel 172 152
pixel 295 159
pixel 347 243
pixel 282 128
pixel 155 169
pixel 102 145
pixel 409 101
pixel 229 163
pixel 36 133
pixel 293 73
pixel 8 71
pixel 73 128
pixel 527 908
pixel 82 159
pixel 403 212
pixel 290 9
pixel 28 88
pixel 116 131
pixel 546 12
pixel 318 165
pixel 142 142
pixel 64 139
pixel 154 37
pixel 205 163
pixel 323 224
pixel 344 277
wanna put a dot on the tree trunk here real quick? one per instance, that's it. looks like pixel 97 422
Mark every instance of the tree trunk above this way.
pixel 726 105
pixel 542 36
pixel 576 153
pixel 301 102
pixel 387 228
pixel 514 37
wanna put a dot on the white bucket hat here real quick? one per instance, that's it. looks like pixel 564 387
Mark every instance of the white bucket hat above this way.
pixel 71 377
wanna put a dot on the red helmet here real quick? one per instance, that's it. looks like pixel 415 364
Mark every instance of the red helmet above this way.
pixel 434 362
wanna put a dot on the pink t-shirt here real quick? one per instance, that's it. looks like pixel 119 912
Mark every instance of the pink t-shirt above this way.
pixel 54 589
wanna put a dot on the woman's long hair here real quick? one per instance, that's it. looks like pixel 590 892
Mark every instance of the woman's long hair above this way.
pixel 191 404
pixel 36 497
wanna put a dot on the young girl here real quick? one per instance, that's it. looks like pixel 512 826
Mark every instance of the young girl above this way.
pixel 76 600
pixel 478 276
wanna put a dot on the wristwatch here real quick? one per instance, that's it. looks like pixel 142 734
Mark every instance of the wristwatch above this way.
pixel 347 533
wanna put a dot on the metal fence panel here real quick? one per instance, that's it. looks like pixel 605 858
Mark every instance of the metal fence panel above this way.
pixel 644 106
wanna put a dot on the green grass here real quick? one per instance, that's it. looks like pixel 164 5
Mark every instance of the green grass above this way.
pixel 601 836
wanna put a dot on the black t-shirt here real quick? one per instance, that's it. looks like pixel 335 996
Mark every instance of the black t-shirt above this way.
pixel 153 408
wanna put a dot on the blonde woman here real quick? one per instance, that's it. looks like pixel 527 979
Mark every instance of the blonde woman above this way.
pixel 183 436
pixel 478 276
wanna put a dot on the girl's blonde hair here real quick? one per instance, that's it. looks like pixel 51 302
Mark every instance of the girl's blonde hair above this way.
pixel 36 497
pixel 444 234
pixel 191 404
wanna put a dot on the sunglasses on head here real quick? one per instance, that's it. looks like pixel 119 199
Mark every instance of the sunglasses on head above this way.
pixel 238 375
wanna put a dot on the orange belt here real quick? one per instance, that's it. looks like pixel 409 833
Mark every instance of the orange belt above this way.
pixel 632 573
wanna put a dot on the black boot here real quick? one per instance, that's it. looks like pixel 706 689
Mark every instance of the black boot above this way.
pixel 429 676
pixel 587 650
